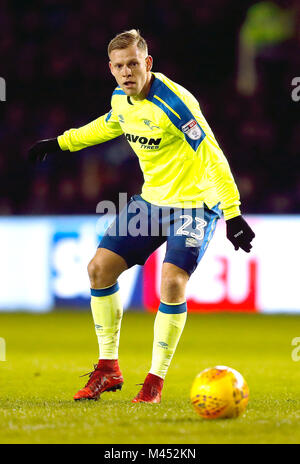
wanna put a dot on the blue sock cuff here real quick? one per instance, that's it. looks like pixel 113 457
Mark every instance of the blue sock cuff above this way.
pixel 105 291
pixel 172 309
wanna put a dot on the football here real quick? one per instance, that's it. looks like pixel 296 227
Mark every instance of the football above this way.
pixel 219 392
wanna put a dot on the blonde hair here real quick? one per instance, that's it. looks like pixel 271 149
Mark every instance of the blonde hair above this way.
pixel 126 39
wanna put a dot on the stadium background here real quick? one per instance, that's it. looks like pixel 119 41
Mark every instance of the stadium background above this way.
pixel 237 58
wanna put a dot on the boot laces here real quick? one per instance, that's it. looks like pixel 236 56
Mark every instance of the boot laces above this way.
pixel 91 375
pixel 149 391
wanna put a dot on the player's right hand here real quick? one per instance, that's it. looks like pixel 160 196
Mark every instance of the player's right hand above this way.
pixel 39 151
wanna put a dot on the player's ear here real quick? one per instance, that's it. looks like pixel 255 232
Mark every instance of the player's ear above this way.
pixel 149 63
pixel 111 68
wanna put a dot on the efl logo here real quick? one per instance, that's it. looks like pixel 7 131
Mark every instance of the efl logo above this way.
pixel 2 349
pixel 2 89
pixel 192 130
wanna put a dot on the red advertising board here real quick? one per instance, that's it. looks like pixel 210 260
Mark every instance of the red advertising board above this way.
pixel 224 280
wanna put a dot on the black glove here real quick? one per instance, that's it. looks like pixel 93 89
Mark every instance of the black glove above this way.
pixel 239 233
pixel 39 151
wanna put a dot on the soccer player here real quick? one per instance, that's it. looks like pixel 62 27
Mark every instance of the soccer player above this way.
pixel 183 167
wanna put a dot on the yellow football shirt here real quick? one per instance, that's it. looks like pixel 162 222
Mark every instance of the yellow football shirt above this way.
pixel 180 158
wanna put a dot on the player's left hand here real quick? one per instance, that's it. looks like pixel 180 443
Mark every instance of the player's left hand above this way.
pixel 239 233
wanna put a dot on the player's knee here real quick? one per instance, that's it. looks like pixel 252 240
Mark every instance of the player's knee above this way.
pixel 97 274
pixel 174 283
pixel 92 269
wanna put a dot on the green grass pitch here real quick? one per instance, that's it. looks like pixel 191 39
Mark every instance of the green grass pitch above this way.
pixel 46 354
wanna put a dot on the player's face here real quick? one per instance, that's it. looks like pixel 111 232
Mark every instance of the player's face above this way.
pixel 131 69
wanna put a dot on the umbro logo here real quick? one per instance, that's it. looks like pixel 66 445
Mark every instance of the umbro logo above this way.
pixel 163 345
pixel 191 242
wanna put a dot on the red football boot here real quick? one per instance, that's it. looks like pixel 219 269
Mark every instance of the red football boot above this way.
pixel 151 390
pixel 105 377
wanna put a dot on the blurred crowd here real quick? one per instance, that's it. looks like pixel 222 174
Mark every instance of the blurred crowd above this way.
pixel 238 59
